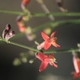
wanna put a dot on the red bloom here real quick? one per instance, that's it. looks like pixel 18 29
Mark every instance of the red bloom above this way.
pixel 20 24
pixel 76 63
pixel 45 60
pixel 48 41
pixel 76 75
pixel 21 27
pixel 25 2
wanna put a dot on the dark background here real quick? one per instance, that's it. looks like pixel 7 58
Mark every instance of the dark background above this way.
pixel 68 37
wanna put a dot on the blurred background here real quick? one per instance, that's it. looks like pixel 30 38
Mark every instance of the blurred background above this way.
pixel 68 36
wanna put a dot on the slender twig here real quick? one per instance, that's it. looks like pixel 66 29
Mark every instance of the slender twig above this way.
pixel 36 50
pixel 63 50
pixel 56 14
pixel 19 45
pixel 55 24
pixel 42 14
pixel 11 12
pixel 46 10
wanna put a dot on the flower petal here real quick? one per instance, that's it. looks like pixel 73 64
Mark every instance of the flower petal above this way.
pixel 25 2
pixel 41 45
pixel 6 30
pixel 75 75
pixel 44 36
pixel 55 44
pixel 78 62
pixel 47 45
pixel 51 55
pixel 43 66
pixel 75 64
pixel 41 56
pixel 52 35
pixel 21 26
pixel 53 64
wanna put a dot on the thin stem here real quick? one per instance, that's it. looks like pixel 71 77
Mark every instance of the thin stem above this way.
pixel 52 51
pixel 23 46
pixel 11 12
pixel 55 24
pixel 56 14
pixel 63 50
pixel 42 14
pixel 19 45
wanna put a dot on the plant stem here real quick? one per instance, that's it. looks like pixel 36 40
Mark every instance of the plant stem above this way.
pixel 19 45
pixel 11 12
pixel 55 24
pixel 42 14
pixel 63 50
pixel 52 51
pixel 56 14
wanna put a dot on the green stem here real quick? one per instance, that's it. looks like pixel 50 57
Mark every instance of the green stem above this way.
pixel 63 50
pixel 56 14
pixel 19 45
pixel 42 14
pixel 23 46
pixel 11 12
pixel 55 24
pixel 26 47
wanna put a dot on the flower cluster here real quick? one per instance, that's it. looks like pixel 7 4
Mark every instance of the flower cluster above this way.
pixel 21 21
pixel 48 41
pixel 47 59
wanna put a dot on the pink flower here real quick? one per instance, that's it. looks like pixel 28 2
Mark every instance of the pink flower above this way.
pixel 48 41
pixel 76 63
pixel 46 59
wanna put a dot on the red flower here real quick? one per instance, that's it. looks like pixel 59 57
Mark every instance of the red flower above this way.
pixel 21 27
pixel 20 24
pixel 25 2
pixel 45 60
pixel 76 63
pixel 48 41
pixel 75 75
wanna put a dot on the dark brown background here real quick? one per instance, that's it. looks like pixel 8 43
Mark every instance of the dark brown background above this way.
pixel 68 37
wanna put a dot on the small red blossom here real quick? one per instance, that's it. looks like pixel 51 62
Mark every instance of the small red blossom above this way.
pixel 46 59
pixel 21 27
pixel 48 41
pixel 76 63
pixel 20 24
pixel 76 75
pixel 25 2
